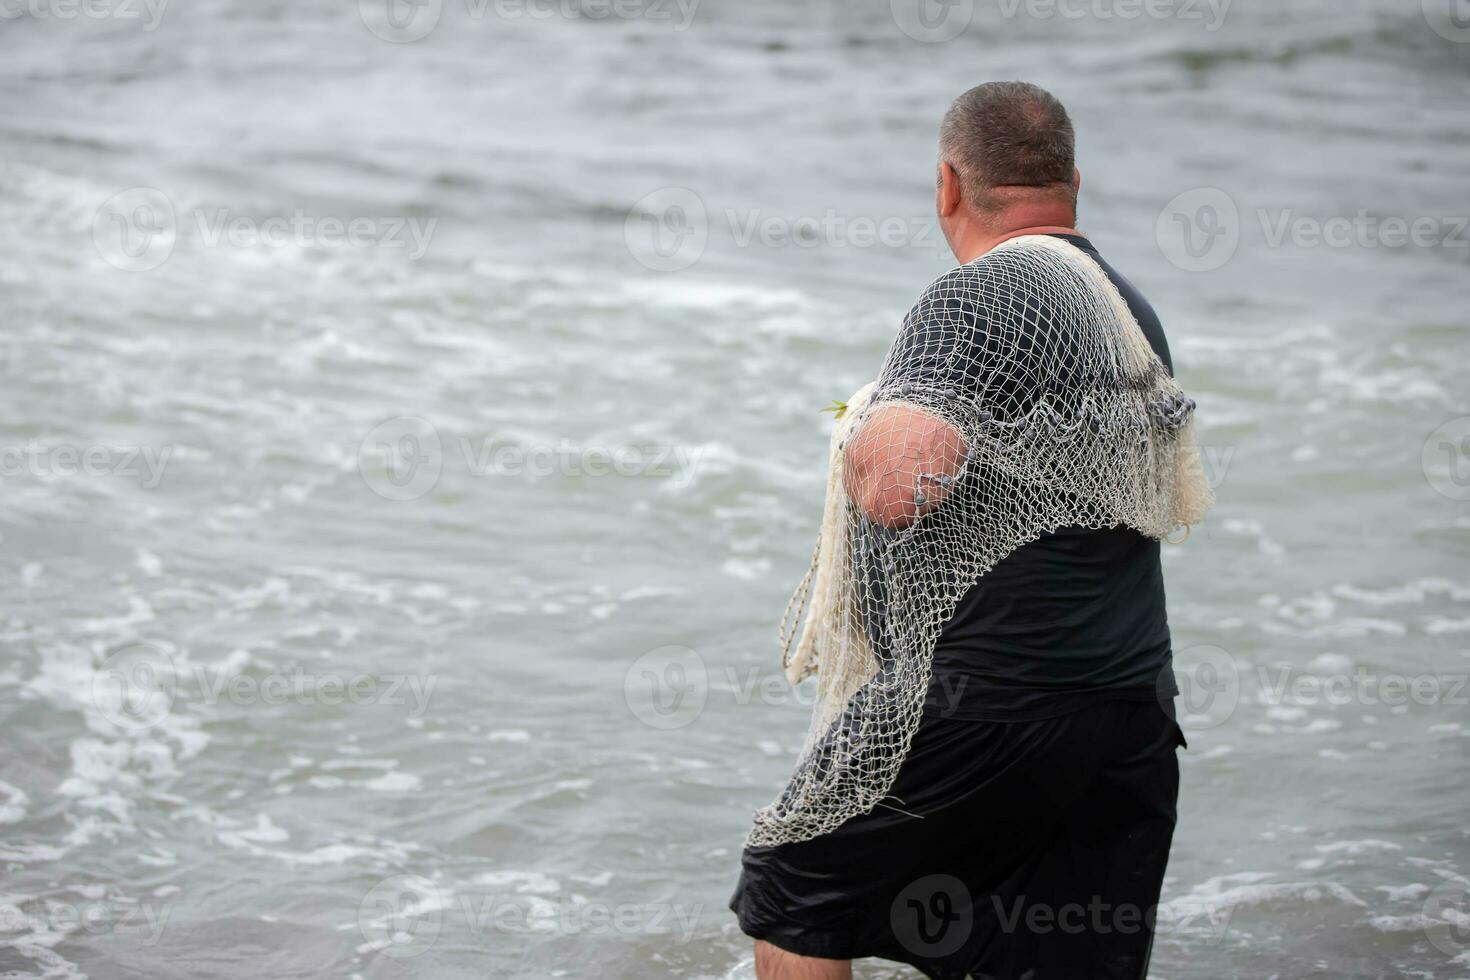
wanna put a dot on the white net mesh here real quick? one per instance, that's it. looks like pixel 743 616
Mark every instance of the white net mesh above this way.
pixel 1020 397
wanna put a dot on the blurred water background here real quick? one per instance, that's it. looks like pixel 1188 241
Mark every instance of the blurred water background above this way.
pixel 411 429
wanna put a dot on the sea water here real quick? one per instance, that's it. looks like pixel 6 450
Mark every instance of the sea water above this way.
pixel 412 432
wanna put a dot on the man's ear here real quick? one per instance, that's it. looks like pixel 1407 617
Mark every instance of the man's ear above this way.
pixel 948 197
pixel 1076 181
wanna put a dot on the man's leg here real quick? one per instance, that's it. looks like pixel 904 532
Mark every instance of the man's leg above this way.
pixel 774 963
pixel 1098 885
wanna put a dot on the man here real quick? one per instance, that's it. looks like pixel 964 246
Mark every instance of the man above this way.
pixel 1026 831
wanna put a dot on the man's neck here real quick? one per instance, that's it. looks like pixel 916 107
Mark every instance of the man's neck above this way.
pixel 1014 222
pixel 1018 233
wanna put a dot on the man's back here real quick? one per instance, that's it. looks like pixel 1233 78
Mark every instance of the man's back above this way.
pixel 1071 618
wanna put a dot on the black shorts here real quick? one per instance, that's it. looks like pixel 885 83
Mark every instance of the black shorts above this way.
pixel 1033 846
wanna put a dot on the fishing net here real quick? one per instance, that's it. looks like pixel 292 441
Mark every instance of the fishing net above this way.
pixel 1019 397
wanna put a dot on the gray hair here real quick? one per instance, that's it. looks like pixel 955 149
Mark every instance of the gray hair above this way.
pixel 1008 134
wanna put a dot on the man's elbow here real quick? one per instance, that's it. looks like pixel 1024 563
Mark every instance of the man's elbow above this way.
pixel 901 465
pixel 885 501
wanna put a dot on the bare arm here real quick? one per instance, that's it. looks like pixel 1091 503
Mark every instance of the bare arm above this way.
pixel 902 464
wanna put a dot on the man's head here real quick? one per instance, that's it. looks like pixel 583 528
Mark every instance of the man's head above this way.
pixel 1006 154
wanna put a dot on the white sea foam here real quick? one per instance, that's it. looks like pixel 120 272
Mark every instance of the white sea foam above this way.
pixel 394 782
pixel 264 832
pixel 749 570
pixel 13 807
pixel 1357 847
pixel 1225 895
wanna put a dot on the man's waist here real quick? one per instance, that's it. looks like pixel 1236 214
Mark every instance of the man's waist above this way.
pixel 986 683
